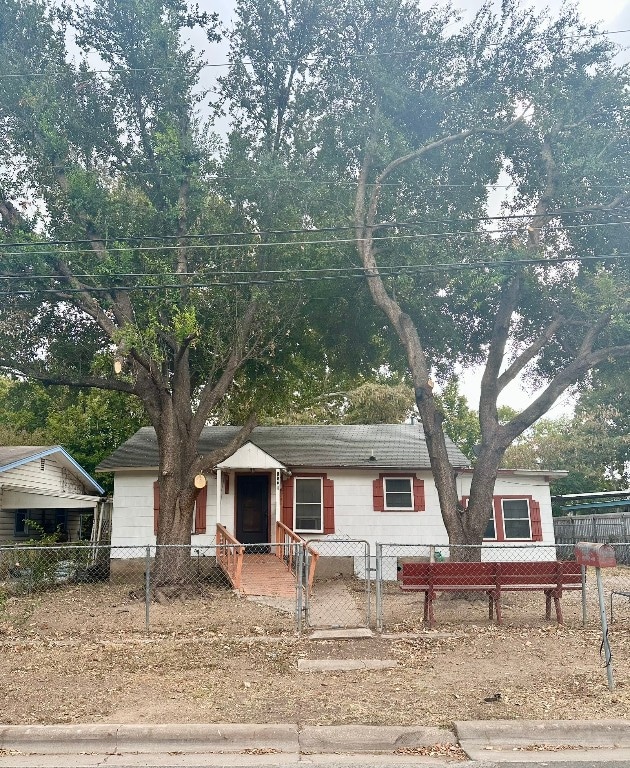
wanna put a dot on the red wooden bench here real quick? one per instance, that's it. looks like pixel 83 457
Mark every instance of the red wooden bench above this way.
pixel 551 577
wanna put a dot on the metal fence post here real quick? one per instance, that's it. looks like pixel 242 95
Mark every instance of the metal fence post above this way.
pixel 583 595
pixel 147 587
pixel 379 588
pixel 299 570
pixel 367 565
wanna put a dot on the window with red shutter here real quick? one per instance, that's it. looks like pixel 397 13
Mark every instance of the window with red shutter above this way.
pixel 398 493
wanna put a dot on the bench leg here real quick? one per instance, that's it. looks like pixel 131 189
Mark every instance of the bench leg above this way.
pixel 548 605
pixel 426 608
pixel 556 599
pixel 497 601
pixel 430 596
pixel 490 606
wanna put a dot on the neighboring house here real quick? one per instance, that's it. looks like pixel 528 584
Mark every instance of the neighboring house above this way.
pixel 44 484
pixel 369 482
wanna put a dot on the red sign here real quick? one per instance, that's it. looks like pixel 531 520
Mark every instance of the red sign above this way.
pixel 596 555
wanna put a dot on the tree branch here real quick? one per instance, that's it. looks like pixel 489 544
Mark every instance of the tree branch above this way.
pixel 512 371
pixel 206 463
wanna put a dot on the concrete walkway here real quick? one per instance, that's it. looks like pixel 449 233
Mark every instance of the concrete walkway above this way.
pixel 332 604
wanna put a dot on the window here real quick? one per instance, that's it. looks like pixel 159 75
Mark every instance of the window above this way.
pixel 308 504
pixel 516 519
pixel 398 493
pixel 491 528
pixel 21 527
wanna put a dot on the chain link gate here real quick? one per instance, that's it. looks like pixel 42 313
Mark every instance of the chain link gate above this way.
pixel 341 594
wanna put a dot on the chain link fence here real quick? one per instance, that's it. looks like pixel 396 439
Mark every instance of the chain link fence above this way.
pixel 419 586
pixel 341 593
pixel 280 588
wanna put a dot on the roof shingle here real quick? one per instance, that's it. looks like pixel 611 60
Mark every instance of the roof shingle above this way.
pixel 382 446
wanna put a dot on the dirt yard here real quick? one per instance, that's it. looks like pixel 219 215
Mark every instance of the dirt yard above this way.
pixel 80 654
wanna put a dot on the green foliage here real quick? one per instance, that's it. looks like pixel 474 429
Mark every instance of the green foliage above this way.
pixel 593 445
pixel 86 423
pixel 461 423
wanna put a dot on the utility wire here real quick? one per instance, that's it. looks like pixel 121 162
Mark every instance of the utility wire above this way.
pixel 282 60
pixel 335 228
pixel 308 275
pixel 290 243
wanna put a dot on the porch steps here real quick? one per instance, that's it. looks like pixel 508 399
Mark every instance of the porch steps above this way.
pixel 266 576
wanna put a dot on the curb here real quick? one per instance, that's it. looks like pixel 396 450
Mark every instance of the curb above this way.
pixel 279 738
pixel 118 739
pixel 520 733
pixel 368 739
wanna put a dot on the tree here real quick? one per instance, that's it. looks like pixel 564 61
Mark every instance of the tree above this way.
pixel 563 321
pixel 108 223
pixel 421 121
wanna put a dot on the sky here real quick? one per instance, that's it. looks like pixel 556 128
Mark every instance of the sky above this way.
pixel 611 15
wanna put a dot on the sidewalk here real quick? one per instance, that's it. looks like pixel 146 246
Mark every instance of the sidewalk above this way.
pixel 489 742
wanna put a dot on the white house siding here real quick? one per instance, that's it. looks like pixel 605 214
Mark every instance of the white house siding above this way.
pixel 355 517
pixel 53 477
pixel 44 483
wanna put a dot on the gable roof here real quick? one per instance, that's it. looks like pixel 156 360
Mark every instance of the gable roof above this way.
pixel 13 456
pixel 378 446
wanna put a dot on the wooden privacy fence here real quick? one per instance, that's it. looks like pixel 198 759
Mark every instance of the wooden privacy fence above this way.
pixel 606 529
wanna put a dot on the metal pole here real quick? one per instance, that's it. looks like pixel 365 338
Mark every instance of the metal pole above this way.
pixel 147 587
pixel 368 575
pixel 583 595
pixel 299 571
pixel 605 643
pixel 379 587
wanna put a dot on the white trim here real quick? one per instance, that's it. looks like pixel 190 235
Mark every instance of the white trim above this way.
pixel 55 494
pixel 528 518
pixel 219 493
pixel 412 506
pixel 321 504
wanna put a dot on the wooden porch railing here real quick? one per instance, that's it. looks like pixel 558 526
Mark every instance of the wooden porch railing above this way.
pixel 285 538
pixel 230 553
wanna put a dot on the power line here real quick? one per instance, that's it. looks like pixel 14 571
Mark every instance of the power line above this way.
pixel 326 242
pixel 285 60
pixel 307 275
pixel 319 230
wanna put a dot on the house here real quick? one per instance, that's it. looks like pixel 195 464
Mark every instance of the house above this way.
pixel 370 482
pixel 45 485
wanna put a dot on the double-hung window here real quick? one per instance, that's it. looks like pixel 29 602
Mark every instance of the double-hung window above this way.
pixel 491 528
pixel 309 508
pixel 398 492
pixel 516 519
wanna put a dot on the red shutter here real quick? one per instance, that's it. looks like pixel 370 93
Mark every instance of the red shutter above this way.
pixel 226 484
pixel 378 496
pixel 499 525
pixel 287 502
pixel 156 506
pixel 200 510
pixel 329 505
pixel 534 516
pixel 418 495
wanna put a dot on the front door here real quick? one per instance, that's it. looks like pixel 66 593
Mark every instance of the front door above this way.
pixel 252 509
